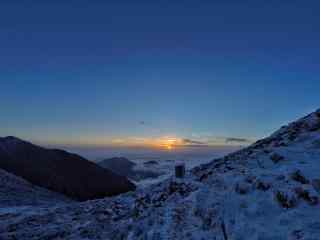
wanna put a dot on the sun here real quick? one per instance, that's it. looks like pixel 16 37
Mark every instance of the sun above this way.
pixel 169 147
pixel 169 143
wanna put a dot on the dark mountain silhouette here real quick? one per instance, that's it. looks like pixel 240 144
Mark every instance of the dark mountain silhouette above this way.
pixel 60 171
pixel 125 167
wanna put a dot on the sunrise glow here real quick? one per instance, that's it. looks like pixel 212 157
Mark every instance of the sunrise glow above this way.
pixel 167 143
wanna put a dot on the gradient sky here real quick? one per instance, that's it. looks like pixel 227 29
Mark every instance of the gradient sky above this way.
pixel 126 71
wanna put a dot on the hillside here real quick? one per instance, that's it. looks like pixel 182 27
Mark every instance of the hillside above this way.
pixel 60 171
pixel 269 190
pixel 15 191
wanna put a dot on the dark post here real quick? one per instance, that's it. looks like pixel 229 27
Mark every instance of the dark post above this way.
pixel 180 169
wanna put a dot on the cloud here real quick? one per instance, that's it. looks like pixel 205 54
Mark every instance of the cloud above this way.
pixel 237 140
pixel 188 141
pixel 142 123
pixel 194 145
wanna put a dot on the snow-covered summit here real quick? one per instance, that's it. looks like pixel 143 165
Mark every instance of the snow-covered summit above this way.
pixel 269 190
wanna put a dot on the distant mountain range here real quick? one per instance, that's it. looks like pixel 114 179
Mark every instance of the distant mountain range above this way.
pixel 125 167
pixel 60 171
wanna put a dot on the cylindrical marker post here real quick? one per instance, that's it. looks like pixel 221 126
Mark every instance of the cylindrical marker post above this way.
pixel 180 169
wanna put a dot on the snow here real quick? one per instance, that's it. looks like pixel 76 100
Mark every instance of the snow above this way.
pixel 17 192
pixel 269 190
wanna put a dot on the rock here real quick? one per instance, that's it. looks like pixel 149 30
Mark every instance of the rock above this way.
pixel 242 188
pixel 205 176
pixel 276 158
pixel 292 136
pixel 315 127
pixel 316 184
pixel 182 188
pixel 286 200
pixel 296 235
pixel 304 194
pixel 152 162
pixel 280 177
pixel 267 151
pixel 298 176
pixel 261 185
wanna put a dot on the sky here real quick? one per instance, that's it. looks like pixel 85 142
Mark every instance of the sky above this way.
pixel 156 72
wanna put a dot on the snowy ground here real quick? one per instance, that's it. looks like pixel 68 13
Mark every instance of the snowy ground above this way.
pixel 268 191
pixel 16 192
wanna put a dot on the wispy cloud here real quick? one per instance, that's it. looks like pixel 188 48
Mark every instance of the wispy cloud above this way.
pixel 142 123
pixel 237 140
pixel 190 141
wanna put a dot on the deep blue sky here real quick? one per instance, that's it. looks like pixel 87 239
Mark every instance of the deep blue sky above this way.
pixel 191 69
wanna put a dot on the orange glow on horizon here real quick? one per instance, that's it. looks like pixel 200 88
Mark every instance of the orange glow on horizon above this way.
pixel 165 143
pixel 169 147
pixel 168 143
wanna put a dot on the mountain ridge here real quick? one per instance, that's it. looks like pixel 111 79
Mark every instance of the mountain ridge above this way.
pixel 59 170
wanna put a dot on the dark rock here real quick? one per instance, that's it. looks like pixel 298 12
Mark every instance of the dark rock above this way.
pixel 205 176
pixel 280 177
pixel 267 151
pixel 315 127
pixel 285 200
pixel 298 176
pixel 250 179
pixel 316 184
pixel 152 162
pixel 181 188
pixel 305 195
pixel 283 144
pixel 242 188
pixel 276 158
pixel 292 135
pixel 261 185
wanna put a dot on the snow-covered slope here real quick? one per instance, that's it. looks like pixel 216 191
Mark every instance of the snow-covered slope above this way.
pixel 269 190
pixel 15 191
